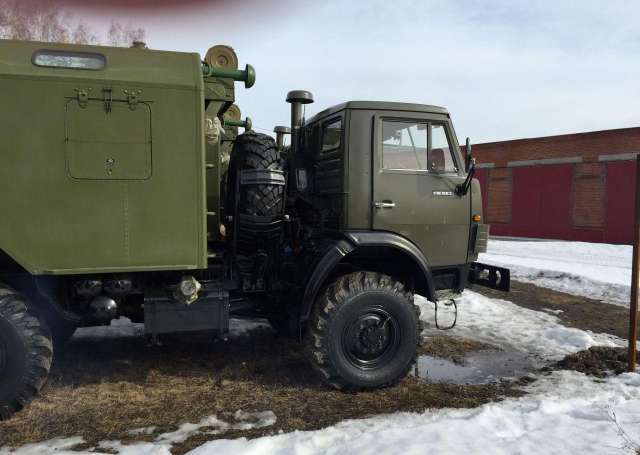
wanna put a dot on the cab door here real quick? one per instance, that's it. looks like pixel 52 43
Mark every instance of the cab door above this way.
pixel 416 168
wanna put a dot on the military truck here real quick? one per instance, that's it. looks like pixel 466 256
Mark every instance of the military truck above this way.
pixel 126 191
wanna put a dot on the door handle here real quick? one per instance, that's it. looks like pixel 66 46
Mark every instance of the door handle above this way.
pixel 384 204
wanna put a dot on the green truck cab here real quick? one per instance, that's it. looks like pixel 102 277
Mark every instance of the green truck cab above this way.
pixel 127 191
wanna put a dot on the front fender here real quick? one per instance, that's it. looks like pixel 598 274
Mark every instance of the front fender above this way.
pixel 350 242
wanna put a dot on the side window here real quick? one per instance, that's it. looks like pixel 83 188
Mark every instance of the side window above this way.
pixel 416 145
pixel 331 135
pixel 404 145
pixel 440 154
pixel 73 60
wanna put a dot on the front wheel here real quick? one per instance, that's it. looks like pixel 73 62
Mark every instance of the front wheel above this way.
pixel 364 332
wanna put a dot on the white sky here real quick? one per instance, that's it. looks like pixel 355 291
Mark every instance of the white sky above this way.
pixel 504 69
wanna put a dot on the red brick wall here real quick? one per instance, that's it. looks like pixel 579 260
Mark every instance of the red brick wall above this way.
pixel 590 198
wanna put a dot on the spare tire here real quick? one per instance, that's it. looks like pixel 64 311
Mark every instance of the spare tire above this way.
pixel 256 189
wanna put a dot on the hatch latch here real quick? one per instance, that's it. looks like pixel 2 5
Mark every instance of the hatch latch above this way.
pixel 82 95
pixel 133 97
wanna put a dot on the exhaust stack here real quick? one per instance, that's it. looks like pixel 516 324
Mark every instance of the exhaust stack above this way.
pixel 297 98
pixel 280 132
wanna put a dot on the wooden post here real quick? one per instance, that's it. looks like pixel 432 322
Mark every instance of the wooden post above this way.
pixel 635 270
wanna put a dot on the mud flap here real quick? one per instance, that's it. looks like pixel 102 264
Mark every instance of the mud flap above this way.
pixel 490 276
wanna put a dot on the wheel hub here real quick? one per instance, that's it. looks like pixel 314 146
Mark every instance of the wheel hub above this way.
pixel 371 338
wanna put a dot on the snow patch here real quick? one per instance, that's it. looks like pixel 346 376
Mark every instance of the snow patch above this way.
pixel 119 328
pixel 57 445
pixel 213 425
pixel 597 271
pixel 161 446
pixel 507 325
pixel 241 327
pixel 124 328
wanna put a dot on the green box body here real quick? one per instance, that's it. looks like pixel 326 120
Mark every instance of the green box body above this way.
pixel 102 170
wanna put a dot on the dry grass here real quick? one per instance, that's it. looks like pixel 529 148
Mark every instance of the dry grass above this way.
pixel 100 389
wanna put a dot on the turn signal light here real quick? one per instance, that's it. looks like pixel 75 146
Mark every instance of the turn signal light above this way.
pixel 476 218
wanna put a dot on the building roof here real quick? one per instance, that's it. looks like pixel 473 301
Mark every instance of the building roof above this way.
pixel 563 137
pixel 621 144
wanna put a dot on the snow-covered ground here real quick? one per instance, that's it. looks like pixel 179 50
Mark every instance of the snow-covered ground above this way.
pixel 595 270
pixel 512 327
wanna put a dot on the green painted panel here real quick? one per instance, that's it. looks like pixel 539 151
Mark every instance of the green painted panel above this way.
pixel 61 213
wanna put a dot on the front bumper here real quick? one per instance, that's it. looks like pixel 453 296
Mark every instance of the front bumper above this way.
pixel 490 276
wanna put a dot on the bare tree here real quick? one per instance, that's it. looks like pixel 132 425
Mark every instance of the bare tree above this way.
pixel 124 35
pixel 44 21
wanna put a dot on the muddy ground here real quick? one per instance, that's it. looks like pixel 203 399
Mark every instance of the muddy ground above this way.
pixel 101 389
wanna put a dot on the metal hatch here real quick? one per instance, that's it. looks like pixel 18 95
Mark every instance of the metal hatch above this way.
pixel 107 139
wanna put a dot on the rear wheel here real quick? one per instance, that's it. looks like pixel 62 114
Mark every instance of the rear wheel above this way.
pixel 364 332
pixel 26 352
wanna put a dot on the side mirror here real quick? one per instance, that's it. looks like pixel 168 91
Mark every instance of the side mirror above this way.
pixel 470 164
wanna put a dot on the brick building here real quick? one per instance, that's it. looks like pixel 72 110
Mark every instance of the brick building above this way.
pixel 573 186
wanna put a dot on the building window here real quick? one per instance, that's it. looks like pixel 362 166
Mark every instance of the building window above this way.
pixel 72 60
pixel 331 135
pixel 416 145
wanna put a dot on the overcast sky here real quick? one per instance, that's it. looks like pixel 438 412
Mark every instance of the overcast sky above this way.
pixel 504 69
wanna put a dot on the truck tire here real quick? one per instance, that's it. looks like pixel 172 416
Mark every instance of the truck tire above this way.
pixel 26 352
pixel 364 332
pixel 259 196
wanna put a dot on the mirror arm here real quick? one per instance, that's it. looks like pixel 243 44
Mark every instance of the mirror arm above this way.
pixel 463 188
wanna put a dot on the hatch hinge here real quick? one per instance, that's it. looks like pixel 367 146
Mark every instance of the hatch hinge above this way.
pixel 107 97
